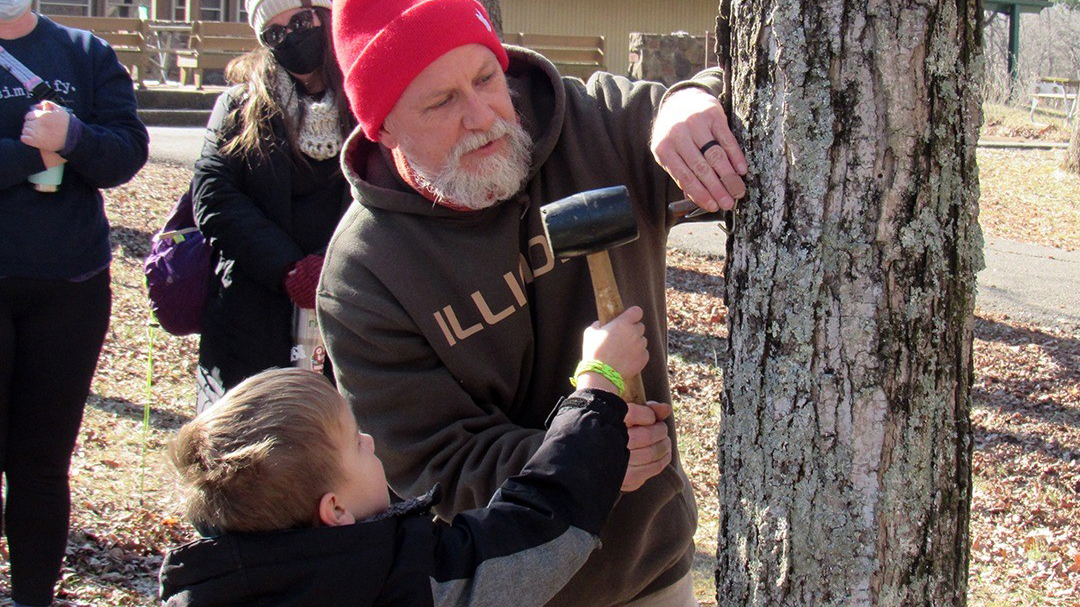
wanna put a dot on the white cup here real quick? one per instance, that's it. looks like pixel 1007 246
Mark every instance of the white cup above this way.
pixel 48 180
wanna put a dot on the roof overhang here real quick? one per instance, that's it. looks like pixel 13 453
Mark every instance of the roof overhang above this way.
pixel 1025 6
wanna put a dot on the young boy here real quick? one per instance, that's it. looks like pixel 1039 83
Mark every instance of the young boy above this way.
pixel 295 509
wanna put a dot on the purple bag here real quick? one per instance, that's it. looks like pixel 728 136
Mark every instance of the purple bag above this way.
pixel 178 271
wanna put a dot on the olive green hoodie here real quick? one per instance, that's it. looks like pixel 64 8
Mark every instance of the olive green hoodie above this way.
pixel 453 333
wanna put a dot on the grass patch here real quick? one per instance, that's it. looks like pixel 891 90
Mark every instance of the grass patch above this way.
pixel 1005 121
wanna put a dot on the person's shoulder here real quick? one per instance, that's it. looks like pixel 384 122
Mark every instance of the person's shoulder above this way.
pixel 82 38
pixel 360 240
pixel 233 96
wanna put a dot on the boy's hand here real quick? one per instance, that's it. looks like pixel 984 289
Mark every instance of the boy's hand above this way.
pixel 45 127
pixel 621 343
pixel 649 444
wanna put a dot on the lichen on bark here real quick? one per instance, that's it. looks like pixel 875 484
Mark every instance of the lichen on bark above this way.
pixel 850 290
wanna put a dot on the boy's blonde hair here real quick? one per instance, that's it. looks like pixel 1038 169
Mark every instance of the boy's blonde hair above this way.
pixel 263 456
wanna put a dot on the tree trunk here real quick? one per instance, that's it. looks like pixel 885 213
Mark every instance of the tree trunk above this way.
pixel 494 10
pixel 1072 159
pixel 845 442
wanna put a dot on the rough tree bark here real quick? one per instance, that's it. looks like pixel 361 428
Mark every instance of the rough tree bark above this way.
pixel 1072 159
pixel 845 443
pixel 494 10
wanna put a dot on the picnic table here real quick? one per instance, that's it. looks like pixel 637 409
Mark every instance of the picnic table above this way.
pixel 1061 93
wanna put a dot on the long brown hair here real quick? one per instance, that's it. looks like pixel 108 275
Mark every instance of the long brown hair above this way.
pixel 257 70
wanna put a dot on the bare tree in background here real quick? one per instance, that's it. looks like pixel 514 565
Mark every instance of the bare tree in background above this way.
pixel 494 10
pixel 1072 159
pixel 845 443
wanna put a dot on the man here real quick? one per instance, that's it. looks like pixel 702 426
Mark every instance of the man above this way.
pixel 451 327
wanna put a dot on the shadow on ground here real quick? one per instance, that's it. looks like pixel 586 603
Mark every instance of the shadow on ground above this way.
pixel 133 243
pixel 692 281
pixel 160 419
pixel 1038 396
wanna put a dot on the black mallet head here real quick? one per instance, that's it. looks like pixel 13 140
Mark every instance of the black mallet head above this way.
pixel 589 222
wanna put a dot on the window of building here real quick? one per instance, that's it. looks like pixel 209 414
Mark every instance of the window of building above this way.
pixel 78 8
pixel 122 8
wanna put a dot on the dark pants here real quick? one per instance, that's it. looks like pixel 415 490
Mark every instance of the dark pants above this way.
pixel 51 332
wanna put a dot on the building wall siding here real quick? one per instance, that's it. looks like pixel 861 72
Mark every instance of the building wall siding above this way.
pixel 612 19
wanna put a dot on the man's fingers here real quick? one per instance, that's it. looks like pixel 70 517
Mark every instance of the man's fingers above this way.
pixel 721 165
pixel 729 145
pixel 643 436
pixel 660 410
pixel 688 182
pixel 639 415
pixel 708 175
pixel 637 475
pixel 643 456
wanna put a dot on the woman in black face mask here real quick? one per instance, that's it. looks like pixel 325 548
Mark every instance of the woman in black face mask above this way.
pixel 268 192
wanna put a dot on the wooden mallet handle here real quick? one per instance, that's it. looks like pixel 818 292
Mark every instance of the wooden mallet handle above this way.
pixel 609 304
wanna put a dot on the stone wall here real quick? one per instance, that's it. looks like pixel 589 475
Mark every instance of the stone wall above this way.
pixel 668 58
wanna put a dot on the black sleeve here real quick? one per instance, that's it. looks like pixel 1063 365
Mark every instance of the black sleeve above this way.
pixel 544 521
pixel 225 213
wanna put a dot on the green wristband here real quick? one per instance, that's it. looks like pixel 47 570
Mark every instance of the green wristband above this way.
pixel 600 368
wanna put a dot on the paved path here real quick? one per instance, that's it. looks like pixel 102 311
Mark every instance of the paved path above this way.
pixel 176 144
pixel 1028 282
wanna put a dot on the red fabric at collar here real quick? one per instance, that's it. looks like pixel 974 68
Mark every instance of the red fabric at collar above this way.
pixel 407 173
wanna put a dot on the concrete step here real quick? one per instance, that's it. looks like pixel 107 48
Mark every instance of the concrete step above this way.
pixel 186 98
pixel 174 117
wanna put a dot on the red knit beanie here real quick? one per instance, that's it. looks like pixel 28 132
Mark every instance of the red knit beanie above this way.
pixel 382 45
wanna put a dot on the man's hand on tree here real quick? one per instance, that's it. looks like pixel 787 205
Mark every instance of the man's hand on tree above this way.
pixel 691 139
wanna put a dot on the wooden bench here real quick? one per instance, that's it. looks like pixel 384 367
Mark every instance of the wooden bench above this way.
pixel 573 55
pixel 212 45
pixel 127 36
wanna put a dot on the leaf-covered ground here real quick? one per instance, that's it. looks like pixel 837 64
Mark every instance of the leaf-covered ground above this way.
pixel 1025 510
pixel 1026 196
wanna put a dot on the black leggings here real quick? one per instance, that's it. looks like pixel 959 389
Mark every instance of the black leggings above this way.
pixel 51 332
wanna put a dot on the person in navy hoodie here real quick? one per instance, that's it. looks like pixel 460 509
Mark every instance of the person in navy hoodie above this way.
pixel 55 296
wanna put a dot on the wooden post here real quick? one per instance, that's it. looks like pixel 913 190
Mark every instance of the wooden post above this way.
pixel 1014 44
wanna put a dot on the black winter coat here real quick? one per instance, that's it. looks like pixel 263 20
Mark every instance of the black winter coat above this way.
pixel 539 528
pixel 244 208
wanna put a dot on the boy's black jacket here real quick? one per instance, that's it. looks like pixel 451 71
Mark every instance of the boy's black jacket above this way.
pixel 534 535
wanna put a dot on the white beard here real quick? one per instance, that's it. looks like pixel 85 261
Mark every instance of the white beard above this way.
pixel 496 177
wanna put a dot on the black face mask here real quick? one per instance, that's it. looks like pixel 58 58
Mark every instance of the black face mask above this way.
pixel 301 52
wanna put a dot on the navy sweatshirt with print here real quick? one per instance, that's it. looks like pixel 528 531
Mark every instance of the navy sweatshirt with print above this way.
pixel 64 234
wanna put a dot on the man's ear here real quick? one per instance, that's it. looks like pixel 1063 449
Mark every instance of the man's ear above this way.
pixel 387 139
pixel 331 512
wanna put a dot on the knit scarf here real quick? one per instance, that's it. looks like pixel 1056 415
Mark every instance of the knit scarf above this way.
pixel 319 135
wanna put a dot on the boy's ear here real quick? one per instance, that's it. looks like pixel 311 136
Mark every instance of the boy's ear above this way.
pixel 332 513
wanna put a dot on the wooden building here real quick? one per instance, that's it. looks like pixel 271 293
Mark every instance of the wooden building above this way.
pixel 156 10
pixel 612 19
